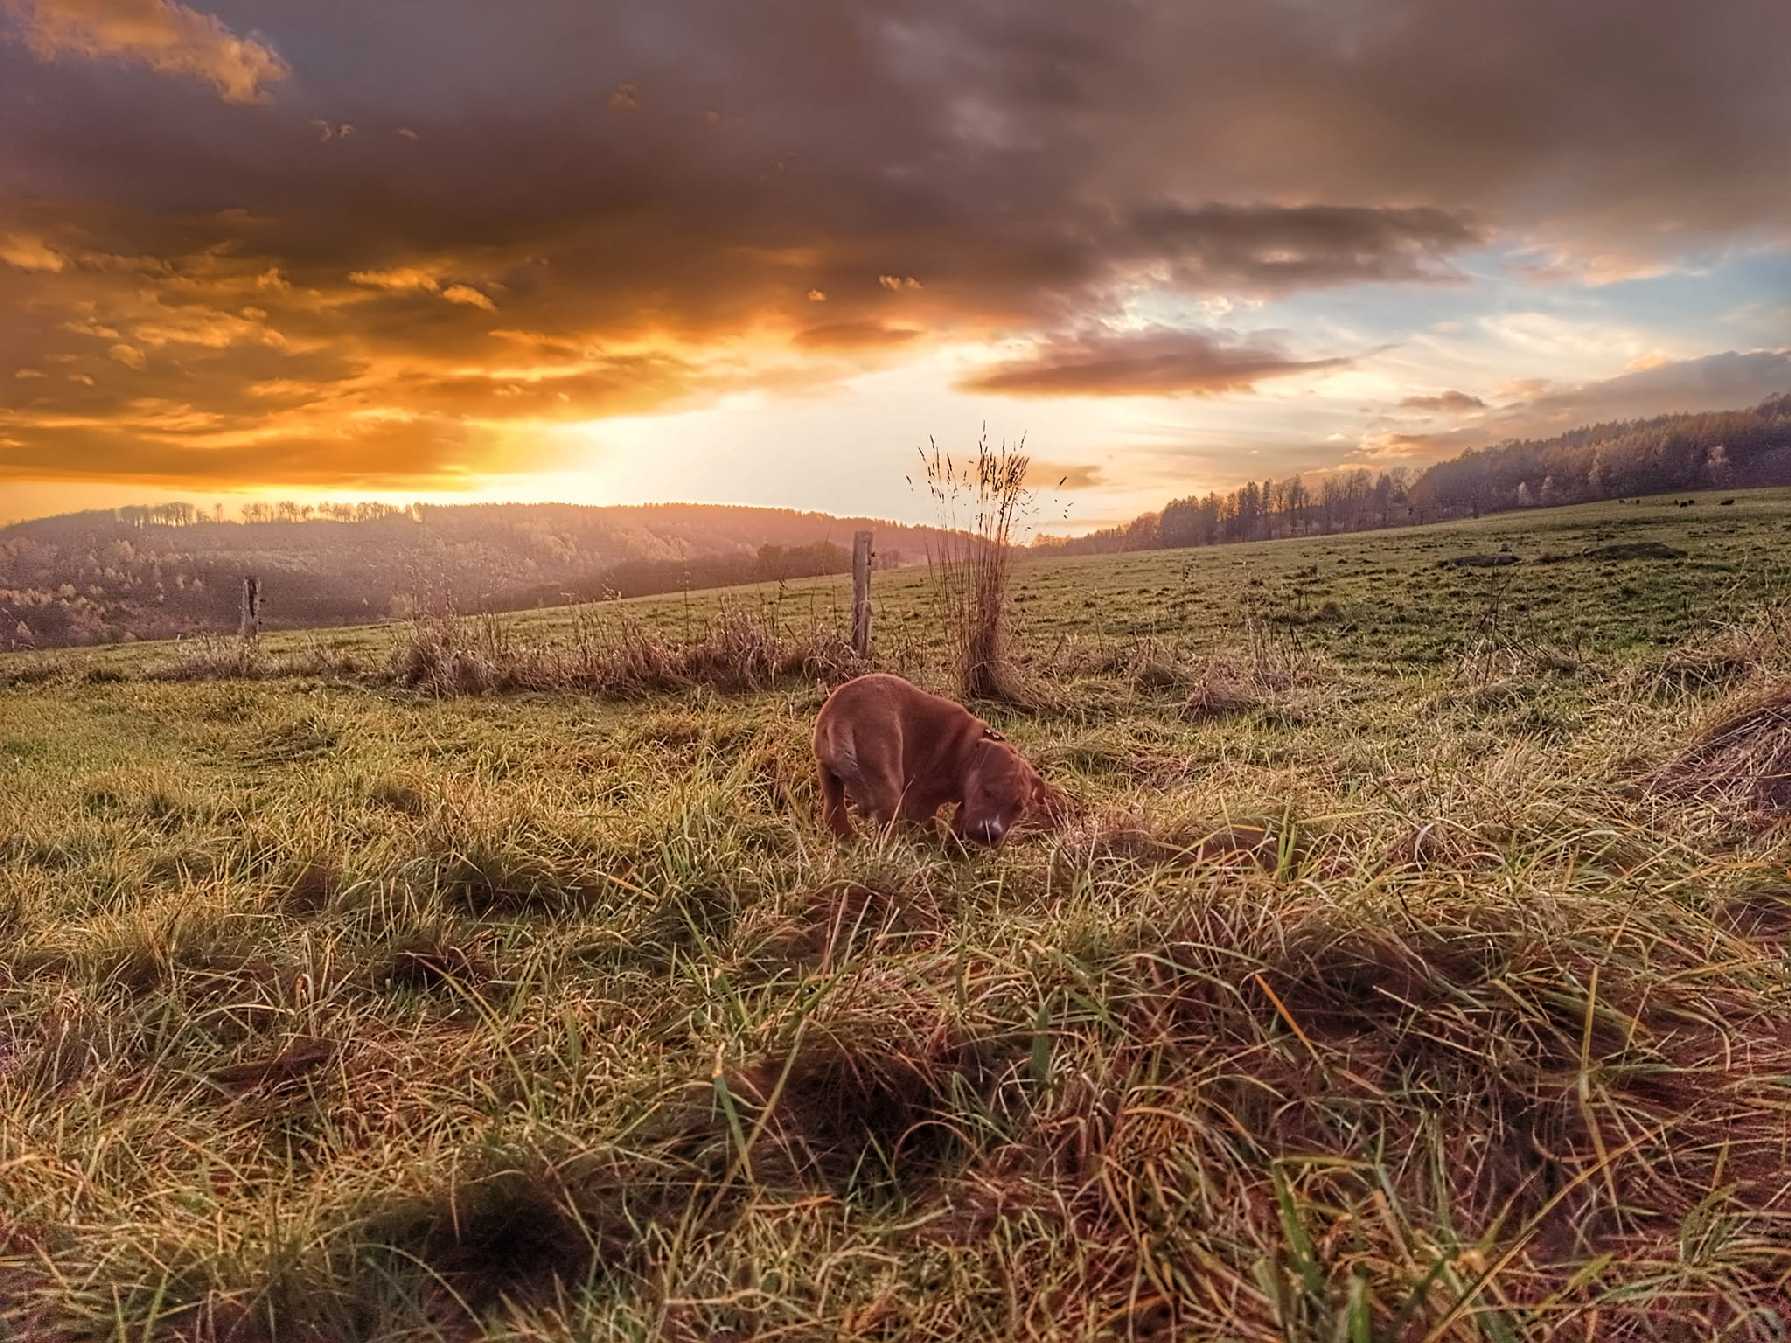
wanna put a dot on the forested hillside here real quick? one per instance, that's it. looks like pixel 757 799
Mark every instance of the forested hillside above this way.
pixel 1716 449
pixel 144 573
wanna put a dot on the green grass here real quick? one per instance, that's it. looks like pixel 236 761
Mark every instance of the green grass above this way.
pixel 1375 995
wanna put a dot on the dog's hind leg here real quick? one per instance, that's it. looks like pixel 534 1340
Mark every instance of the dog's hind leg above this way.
pixel 879 796
pixel 833 804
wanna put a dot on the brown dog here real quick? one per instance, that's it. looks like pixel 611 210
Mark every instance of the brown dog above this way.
pixel 900 753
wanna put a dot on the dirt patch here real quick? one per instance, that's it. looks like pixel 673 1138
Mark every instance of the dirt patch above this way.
pixel 1762 912
pixel 1360 979
pixel 307 886
pixel 1492 561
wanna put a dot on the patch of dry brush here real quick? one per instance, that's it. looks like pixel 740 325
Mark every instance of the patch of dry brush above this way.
pixel 739 650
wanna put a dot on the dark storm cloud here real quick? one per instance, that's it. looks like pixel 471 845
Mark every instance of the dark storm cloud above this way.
pixel 672 183
pixel 1156 361
pixel 1259 248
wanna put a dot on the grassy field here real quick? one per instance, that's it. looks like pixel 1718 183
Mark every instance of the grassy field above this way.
pixel 1401 976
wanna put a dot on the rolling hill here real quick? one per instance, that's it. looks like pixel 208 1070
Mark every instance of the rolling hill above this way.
pixel 111 576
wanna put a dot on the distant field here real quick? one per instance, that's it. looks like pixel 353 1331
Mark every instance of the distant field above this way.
pixel 1391 984
pixel 1397 604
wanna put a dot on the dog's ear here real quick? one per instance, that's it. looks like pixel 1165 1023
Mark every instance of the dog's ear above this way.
pixel 991 734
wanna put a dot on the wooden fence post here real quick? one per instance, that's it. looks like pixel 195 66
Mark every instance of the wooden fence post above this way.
pixel 250 624
pixel 861 594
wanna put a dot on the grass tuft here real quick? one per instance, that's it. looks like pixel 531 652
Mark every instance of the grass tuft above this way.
pixel 1743 756
pixel 430 961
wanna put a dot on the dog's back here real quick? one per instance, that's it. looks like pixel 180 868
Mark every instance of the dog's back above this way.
pixel 894 748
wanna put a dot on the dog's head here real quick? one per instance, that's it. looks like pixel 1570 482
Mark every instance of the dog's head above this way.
pixel 1000 788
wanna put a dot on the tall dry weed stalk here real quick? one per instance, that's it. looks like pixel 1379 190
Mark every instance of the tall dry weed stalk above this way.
pixel 984 507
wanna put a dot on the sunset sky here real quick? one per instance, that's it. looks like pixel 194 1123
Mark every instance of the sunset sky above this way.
pixel 754 251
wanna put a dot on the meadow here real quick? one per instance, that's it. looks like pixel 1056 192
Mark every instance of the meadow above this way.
pixel 1413 968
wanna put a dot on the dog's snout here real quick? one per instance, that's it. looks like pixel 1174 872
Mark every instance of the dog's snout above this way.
pixel 992 832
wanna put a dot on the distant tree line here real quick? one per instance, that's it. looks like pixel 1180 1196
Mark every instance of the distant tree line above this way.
pixel 769 564
pixel 1715 449
pixel 1260 511
pixel 1712 450
pixel 287 510
pixel 182 514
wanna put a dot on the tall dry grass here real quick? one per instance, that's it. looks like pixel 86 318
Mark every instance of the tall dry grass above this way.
pixel 1742 756
pixel 738 649
pixel 984 508
pixel 229 657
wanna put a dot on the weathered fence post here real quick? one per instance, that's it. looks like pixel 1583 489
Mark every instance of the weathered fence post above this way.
pixel 250 626
pixel 861 594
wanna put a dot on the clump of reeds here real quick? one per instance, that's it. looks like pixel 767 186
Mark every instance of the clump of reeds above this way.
pixel 28 669
pixel 448 654
pixel 984 506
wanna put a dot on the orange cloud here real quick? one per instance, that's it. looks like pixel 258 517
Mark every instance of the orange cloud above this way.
pixel 853 336
pixel 166 36
pixel 201 326
pixel 657 257
pixel 397 278
pixel 1048 475
pixel 466 295
pixel 28 253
